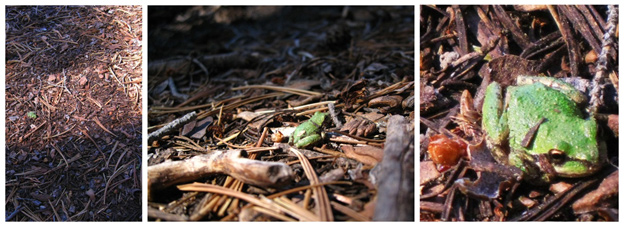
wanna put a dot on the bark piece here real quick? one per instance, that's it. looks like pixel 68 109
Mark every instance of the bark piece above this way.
pixel 603 197
pixel 395 184
pixel 368 155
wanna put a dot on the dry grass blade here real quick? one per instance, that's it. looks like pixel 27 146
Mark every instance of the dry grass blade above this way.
pixel 84 132
pixel 313 158
pixel 60 134
pixel 321 109
pixel 288 209
pixel 273 214
pixel 349 212
pixel 76 157
pixel 294 208
pixel 94 102
pixel 97 121
pixel 281 205
pixel 225 191
pixel 259 149
pixel 293 190
pixel 26 211
pixel 320 195
pixel 323 103
pixel 392 88
pixel 54 211
pixel 343 140
pixel 281 89
pixel 212 104
pixel 164 110
pixel 34 130
pixel 44 101
pixel 118 172
pixel 192 143
pixel 239 104
pixel 62 155
pixel 329 152
pixel 80 214
pixel 238 186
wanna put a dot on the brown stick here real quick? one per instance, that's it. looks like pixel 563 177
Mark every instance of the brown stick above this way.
pixel 232 162
pixel 395 187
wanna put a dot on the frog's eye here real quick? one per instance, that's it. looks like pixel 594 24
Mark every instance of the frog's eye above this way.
pixel 556 155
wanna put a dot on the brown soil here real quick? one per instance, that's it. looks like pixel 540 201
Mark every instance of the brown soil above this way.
pixel 73 107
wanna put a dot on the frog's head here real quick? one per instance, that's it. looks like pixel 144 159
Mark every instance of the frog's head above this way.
pixel 320 118
pixel 576 154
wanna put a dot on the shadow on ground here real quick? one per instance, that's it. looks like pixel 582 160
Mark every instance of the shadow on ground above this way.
pixel 73 101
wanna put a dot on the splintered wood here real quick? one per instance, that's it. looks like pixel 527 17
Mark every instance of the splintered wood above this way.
pixel 232 162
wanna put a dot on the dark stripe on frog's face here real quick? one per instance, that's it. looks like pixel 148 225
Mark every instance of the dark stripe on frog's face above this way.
pixel 315 124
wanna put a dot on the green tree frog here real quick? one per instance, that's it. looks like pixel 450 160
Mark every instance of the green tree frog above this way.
pixel 310 132
pixel 539 128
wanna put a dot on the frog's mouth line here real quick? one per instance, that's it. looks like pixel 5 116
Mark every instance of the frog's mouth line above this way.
pixel 546 164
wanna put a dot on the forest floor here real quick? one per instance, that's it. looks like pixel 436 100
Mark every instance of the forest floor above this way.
pixel 245 77
pixel 464 49
pixel 73 108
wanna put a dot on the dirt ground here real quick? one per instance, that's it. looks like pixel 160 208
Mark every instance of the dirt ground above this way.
pixel 361 59
pixel 73 107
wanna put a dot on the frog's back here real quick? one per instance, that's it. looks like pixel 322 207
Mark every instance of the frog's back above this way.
pixel 563 119
pixel 537 101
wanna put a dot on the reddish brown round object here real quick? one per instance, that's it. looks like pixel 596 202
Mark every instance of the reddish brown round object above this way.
pixel 445 151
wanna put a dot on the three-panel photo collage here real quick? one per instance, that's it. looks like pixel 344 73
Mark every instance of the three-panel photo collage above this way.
pixel 273 113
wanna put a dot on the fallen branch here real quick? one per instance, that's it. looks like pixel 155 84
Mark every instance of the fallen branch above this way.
pixel 172 126
pixel 232 162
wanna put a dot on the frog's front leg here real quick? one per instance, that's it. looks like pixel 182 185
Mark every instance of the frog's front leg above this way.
pixel 495 121
pixel 532 167
pixel 308 141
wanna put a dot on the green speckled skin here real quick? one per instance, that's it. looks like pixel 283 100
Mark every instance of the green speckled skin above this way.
pixel 309 133
pixel 564 129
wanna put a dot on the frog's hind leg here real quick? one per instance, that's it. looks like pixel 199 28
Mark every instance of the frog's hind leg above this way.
pixel 308 141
